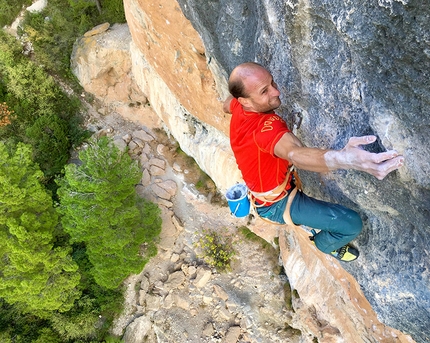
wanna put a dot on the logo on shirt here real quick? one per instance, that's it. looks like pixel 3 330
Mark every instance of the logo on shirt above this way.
pixel 268 124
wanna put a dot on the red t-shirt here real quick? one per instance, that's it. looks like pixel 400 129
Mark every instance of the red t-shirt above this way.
pixel 253 137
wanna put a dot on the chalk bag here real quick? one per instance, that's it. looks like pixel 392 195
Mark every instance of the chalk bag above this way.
pixel 237 198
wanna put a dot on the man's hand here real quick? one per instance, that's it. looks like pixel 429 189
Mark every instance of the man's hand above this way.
pixel 352 156
pixel 226 104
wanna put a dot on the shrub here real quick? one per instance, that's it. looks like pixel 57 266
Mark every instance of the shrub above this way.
pixel 10 10
pixel 217 249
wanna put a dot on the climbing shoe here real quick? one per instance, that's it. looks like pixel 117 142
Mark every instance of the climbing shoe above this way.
pixel 345 253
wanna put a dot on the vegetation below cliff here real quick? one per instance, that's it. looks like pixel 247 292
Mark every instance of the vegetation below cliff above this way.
pixel 69 234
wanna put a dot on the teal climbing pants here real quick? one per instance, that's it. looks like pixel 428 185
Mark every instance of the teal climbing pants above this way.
pixel 338 225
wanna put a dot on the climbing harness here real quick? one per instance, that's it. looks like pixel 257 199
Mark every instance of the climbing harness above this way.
pixel 280 192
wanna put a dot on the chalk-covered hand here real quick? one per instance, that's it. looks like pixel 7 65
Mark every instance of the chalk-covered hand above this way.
pixel 352 156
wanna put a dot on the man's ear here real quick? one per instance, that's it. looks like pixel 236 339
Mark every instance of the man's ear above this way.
pixel 243 101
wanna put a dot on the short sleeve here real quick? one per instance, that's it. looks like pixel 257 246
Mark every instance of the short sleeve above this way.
pixel 270 131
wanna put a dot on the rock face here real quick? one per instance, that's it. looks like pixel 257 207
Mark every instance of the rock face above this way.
pixel 350 69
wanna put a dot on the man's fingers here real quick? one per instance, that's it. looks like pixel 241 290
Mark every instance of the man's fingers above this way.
pixel 388 166
pixel 364 140
pixel 384 156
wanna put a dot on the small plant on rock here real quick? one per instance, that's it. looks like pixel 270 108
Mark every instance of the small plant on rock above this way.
pixel 217 249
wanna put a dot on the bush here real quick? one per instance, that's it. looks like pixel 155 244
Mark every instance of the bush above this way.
pixel 10 10
pixel 217 249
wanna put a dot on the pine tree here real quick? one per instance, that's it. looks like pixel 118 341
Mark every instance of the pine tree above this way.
pixel 48 136
pixel 34 275
pixel 100 207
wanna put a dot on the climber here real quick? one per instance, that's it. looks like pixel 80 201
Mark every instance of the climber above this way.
pixel 265 150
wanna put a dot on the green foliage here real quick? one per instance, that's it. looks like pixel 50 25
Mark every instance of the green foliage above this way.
pixel 113 11
pixel 249 235
pixel 217 249
pixel 48 136
pixel 30 85
pixel 113 339
pixel 43 115
pixel 33 274
pixel 47 335
pixel 79 323
pixel 10 10
pixel 100 207
pixel 22 327
pixel 54 30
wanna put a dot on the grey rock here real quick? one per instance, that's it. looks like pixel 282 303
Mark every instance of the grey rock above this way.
pixel 181 301
pixel 137 330
pixel 176 167
pixel 133 147
pixel 208 330
pixel 143 135
pixel 147 149
pixel 220 292
pixel 202 278
pixel 146 178
pixel 143 158
pixel 175 280
pixel 164 203
pixel 351 70
pixel 160 149
pixel 139 142
pixel 158 162
pixel 169 186
pixel 120 144
pixel 144 284
pixel 232 334
pixel 152 302
pixel 160 192
pixel 174 258
pixel 127 138
pixel 156 171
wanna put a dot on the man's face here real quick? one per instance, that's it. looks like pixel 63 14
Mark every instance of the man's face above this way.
pixel 263 93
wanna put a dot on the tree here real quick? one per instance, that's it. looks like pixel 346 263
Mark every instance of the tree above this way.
pixel 100 207
pixel 34 274
pixel 35 110
pixel 48 136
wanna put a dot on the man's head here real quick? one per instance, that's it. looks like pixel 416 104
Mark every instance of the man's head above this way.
pixel 254 88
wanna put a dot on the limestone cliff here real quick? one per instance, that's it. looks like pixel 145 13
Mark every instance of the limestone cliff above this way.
pixel 350 68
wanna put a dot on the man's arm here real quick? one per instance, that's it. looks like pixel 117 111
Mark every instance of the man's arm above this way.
pixel 352 156
pixel 226 105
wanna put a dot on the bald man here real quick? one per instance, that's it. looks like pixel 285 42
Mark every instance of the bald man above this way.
pixel 265 149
